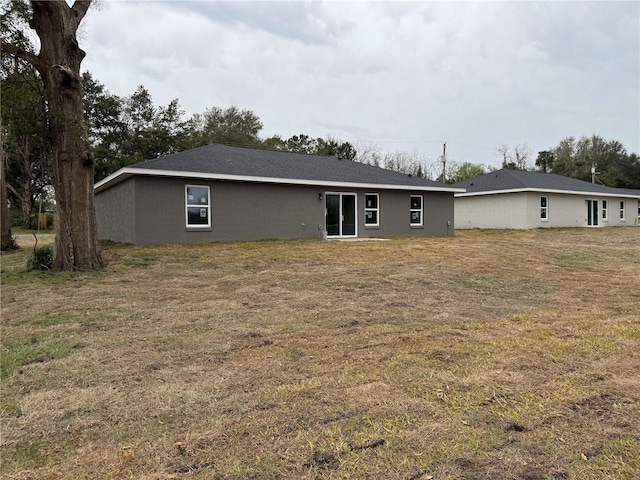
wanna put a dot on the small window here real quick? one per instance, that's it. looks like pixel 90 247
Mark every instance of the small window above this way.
pixel 198 208
pixel 416 210
pixel 544 208
pixel 621 209
pixel 371 209
pixel 604 210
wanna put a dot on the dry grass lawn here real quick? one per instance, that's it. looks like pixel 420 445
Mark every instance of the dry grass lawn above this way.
pixel 487 355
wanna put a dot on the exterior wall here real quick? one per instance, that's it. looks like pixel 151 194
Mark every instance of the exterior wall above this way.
pixel 239 211
pixel 395 219
pixel 492 211
pixel 115 212
pixel 151 210
pixel 571 211
pixel 522 211
pixel 632 212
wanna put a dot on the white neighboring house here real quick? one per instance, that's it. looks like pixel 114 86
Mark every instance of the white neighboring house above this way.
pixel 522 200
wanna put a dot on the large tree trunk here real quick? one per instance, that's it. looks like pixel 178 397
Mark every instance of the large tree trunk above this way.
pixel 71 160
pixel 6 241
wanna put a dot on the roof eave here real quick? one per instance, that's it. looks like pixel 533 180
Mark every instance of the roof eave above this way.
pixel 127 172
pixel 547 190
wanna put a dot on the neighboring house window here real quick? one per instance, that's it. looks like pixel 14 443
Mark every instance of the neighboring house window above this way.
pixel 544 208
pixel 416 210
pixel 198 206
pixel 371 209
pixel 621 209
pixel 604 210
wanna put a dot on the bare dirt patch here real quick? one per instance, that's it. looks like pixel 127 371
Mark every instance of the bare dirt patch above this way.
pixel 503 355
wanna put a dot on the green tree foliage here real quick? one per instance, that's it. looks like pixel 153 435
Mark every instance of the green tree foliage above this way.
pixel 545 161
pixel 23 159
pixel 302 144
pixel 230 125
pixel 151 131
pixel 331 146
pixel 132 129
pixel 107 130
pixel 14 23
pixel 317 146
pixel 24 120
pixel 459 172
pixel 275 143
pixel 614 166
pixel 128 130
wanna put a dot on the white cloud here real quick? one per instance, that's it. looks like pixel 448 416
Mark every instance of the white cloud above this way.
pixel 404 75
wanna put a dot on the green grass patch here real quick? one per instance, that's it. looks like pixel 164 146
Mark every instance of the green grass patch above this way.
pixel 617 458
pixel 17 353
pixel 10 408
pixel 25 456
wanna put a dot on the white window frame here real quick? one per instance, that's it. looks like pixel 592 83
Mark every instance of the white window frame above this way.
pixel 371 209
pixel 544 218
pixel 413 210
pixel 605 216
pixel 188 205
pixel 622 210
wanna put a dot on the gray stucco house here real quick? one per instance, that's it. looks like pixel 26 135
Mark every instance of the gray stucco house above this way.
pixel 522 200
pixel 221 192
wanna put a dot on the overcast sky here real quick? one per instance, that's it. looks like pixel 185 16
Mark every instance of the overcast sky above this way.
pixel 394 75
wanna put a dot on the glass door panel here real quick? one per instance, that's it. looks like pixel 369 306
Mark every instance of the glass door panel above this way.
pixel 349 215
pixel 333 215
pixel 592 213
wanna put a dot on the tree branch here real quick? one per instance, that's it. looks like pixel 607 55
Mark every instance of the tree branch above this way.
pixel 22 54
pixel 80 8
pixel 13 190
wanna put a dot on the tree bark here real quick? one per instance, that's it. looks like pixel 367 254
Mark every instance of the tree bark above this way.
pixel 6 240
pixel 71 159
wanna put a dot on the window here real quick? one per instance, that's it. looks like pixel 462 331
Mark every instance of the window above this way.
pixel 544 208
pixel 416 210
pixel 621 209
pixel 371 212
pixel 604 210
pixel 198 209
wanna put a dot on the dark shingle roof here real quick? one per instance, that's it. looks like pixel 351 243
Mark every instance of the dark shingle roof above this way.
pixel 506 179
pixel 259 163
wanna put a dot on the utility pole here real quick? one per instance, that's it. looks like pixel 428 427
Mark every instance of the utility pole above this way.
pixel 444 162
pixel 593 172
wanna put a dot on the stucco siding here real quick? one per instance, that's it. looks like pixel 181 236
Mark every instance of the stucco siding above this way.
pixel 115 212
pixel 492 211
pixel 522 211
pixel 395 218
pixel 613 214
pixel 239 211
pixel 571 211
pixel 154 209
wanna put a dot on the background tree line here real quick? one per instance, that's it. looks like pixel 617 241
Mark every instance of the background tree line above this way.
pixel 131 129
